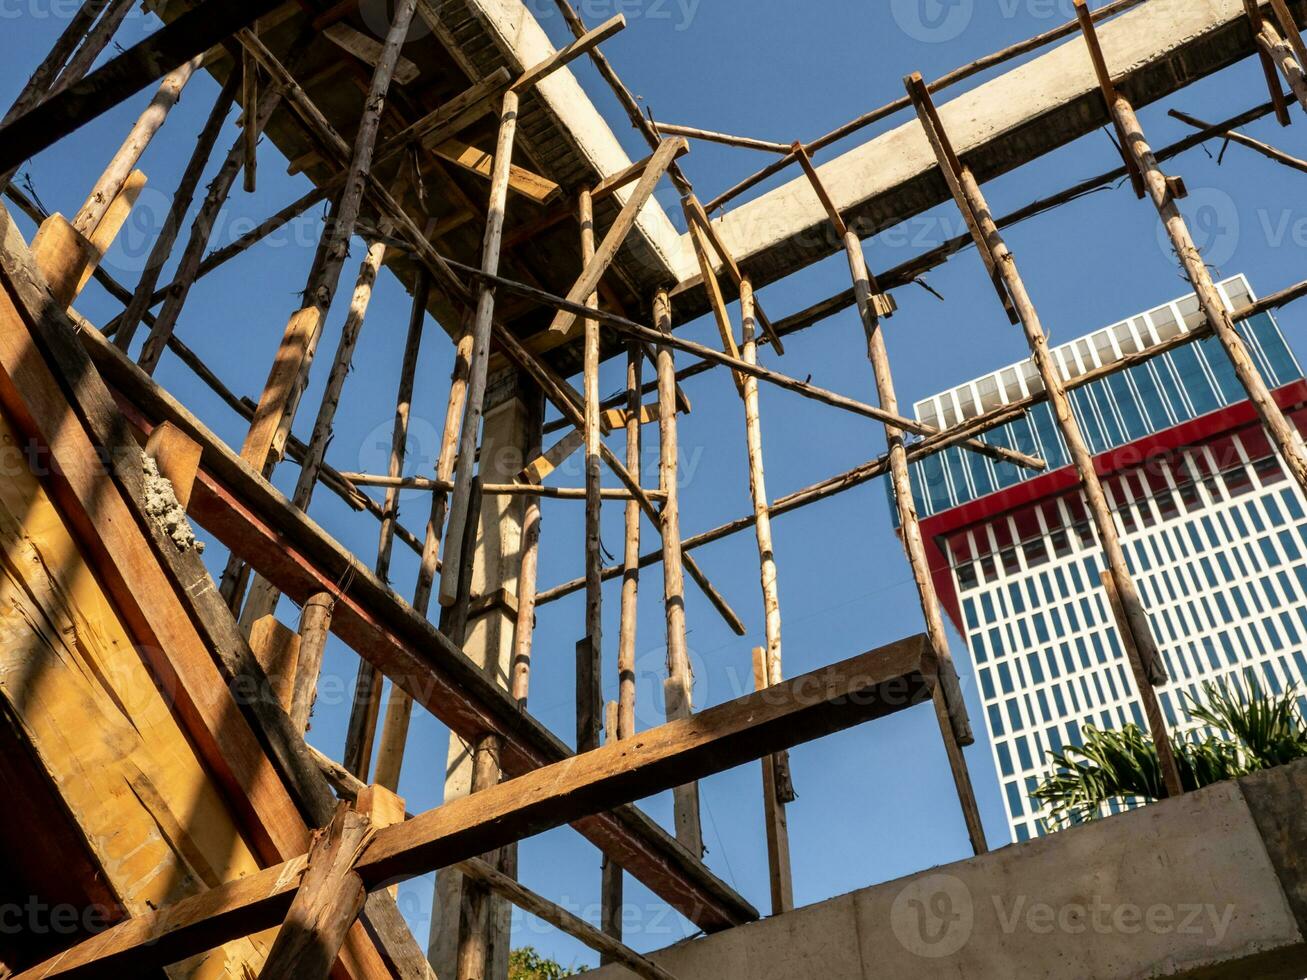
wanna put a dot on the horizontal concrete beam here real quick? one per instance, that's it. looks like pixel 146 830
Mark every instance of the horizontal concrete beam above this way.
pixel 1210 885
pixel 1153 50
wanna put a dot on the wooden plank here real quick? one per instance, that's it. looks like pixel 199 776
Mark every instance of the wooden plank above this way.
pixel 67 110
pixel 328 900
pixel 368 50
pixel 287 367
pixel 520 180
pixel 178 457
pixel 277 648
pixel 607 251
pixel 244 512
pixel 831 699
pixel 167 595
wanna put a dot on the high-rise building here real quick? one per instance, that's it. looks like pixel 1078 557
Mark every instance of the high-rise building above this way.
pixel 1213 531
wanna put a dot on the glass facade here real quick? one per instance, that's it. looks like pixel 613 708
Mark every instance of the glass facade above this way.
pixel 1174 387
pixel 1215 535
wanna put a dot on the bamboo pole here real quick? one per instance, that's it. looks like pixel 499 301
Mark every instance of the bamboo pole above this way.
pixel 631 553
pixel 971 202
pixel 201 228
pixel 311 467
pixel 1234 136
pixel 1147 696
pixel 1286 58
pixel 111 181
pixel 130 319
pixel 482 328
pixel 952 78
pixel 587 706
pixel 636 330
pixel 679 685
pixel 390 752
pixel 1284 435
pixel 53 75
pixel 524 629
pixel 950 710
pixel 775 823
pixel 315 628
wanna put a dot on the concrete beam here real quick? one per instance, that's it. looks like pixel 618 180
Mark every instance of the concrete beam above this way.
pixel 1212 884
pixel 1153 50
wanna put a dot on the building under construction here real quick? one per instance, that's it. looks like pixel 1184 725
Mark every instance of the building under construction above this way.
pixel 156 699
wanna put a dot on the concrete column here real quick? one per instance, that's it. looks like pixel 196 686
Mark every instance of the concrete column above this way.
pixel 505 437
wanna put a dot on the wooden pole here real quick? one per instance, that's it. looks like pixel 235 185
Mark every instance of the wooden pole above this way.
pixel 524 629
pixel 201 228
pixel 950 709
pixel 249 70
pixel 1147 696
pixel 394 735
pixel 70 106
pixel 971 202
pixel 329 898
pixel 1284 435
pixel 589 694
pixel 311 466
pixel 773 809
pixel 53 63
pixel 138 138
pixel 1282 53
pixel 315 627
pixel 631 552
pixel 679 685
pixel 130 319
pixel 1234 136
pixel 482 328
pixel 474 912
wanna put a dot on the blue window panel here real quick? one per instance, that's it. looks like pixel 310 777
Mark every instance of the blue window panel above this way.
pixel 1050 439
pixel 1023 833
pixel 1023 754
pixel 1041 627
pixel 1195 382
pixel 1089 427
pixel 1004 758
pixel 936 485
pixel 1137 714
pixel 1153 404
pixel 978 468
pixel 1273 511
pixel 1127 404
pixel 1018 601
pixel 1231 390
pixel 1268 337
pixel 1289 542
pixel 1268 552
pixel 1025 633
pixel 1036 670
pixel 1043 705
pixel 1005 677
pixel 995 721
pixel 1059 700
pixel 1286 622
pixel 1014 713
pixel 1073 733
pixel 1015 802
pixel 1273 633
pixel 1292 505
pixel 986 684
pixel 987 606
pixel 969 613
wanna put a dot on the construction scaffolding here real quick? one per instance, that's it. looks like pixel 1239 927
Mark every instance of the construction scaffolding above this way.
pixel 333 837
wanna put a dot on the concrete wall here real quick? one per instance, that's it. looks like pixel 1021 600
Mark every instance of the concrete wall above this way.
pixel 1213 884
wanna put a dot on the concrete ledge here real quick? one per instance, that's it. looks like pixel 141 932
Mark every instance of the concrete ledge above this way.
pixel 1153 50
pixel 1211 885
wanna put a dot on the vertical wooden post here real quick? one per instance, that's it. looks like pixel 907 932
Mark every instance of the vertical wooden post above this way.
pixel 1147 696
pixel 989 241
pixel 315 628
pixel 201 228
pixel 611 883
pixel 130 319
pixel 249 99
pixel 1288 60
pixel 679 685
pixel 631 554
pixel 773 810
pixel 589 653
pixel 138 138
pixel 474 914
pixel 950 709
pixel 482 328
pixel 524 629
pixel 328 901
pixel 1163 192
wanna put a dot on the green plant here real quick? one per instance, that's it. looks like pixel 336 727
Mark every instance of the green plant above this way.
pixel 526 964
pixel 1250 731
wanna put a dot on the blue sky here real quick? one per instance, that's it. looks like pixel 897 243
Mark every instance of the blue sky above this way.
pixel 875 803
